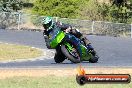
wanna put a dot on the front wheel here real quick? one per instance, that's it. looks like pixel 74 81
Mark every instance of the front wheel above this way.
pixel 73 56
pixel 59 56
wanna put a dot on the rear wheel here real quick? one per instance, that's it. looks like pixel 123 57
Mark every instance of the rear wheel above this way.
pixel 73 55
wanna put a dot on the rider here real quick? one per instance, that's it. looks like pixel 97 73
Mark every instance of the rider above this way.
pixel 49 25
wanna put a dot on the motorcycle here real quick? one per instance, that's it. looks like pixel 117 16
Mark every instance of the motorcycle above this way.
pixel 65 49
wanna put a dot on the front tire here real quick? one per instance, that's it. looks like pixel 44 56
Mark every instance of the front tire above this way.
pixel 69 56
pixel 59 56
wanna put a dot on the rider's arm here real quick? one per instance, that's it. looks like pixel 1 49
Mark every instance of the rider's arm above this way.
pixel 46 38
pixel 65 26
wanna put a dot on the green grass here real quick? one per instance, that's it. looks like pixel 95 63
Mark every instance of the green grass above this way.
pixel 13 52
pixel 52 82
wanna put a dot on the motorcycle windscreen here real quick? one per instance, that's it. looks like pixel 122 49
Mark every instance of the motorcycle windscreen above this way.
pixel 57 38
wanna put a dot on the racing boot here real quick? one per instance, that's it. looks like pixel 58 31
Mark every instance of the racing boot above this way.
pixel 91 49
pixel 88 45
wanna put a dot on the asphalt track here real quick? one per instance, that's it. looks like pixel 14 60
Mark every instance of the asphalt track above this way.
pixel 113 51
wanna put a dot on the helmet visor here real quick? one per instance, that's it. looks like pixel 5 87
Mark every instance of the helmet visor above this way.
pixel 46 26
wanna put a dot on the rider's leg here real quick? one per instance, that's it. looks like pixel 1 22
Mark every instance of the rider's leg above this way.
pixel 75 41
pixel 79 35
pixel 87 42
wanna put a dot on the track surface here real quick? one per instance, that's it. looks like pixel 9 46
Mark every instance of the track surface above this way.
pixel 113 51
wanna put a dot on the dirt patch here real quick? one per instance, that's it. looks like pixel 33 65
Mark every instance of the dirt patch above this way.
pixel 39 72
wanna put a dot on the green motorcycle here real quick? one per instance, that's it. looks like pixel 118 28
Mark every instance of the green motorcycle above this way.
pixel 65 49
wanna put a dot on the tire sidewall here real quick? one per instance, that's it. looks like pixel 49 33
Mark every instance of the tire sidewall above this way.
pixel 68 55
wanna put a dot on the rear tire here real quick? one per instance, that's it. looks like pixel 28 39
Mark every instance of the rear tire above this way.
pixel 69 56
